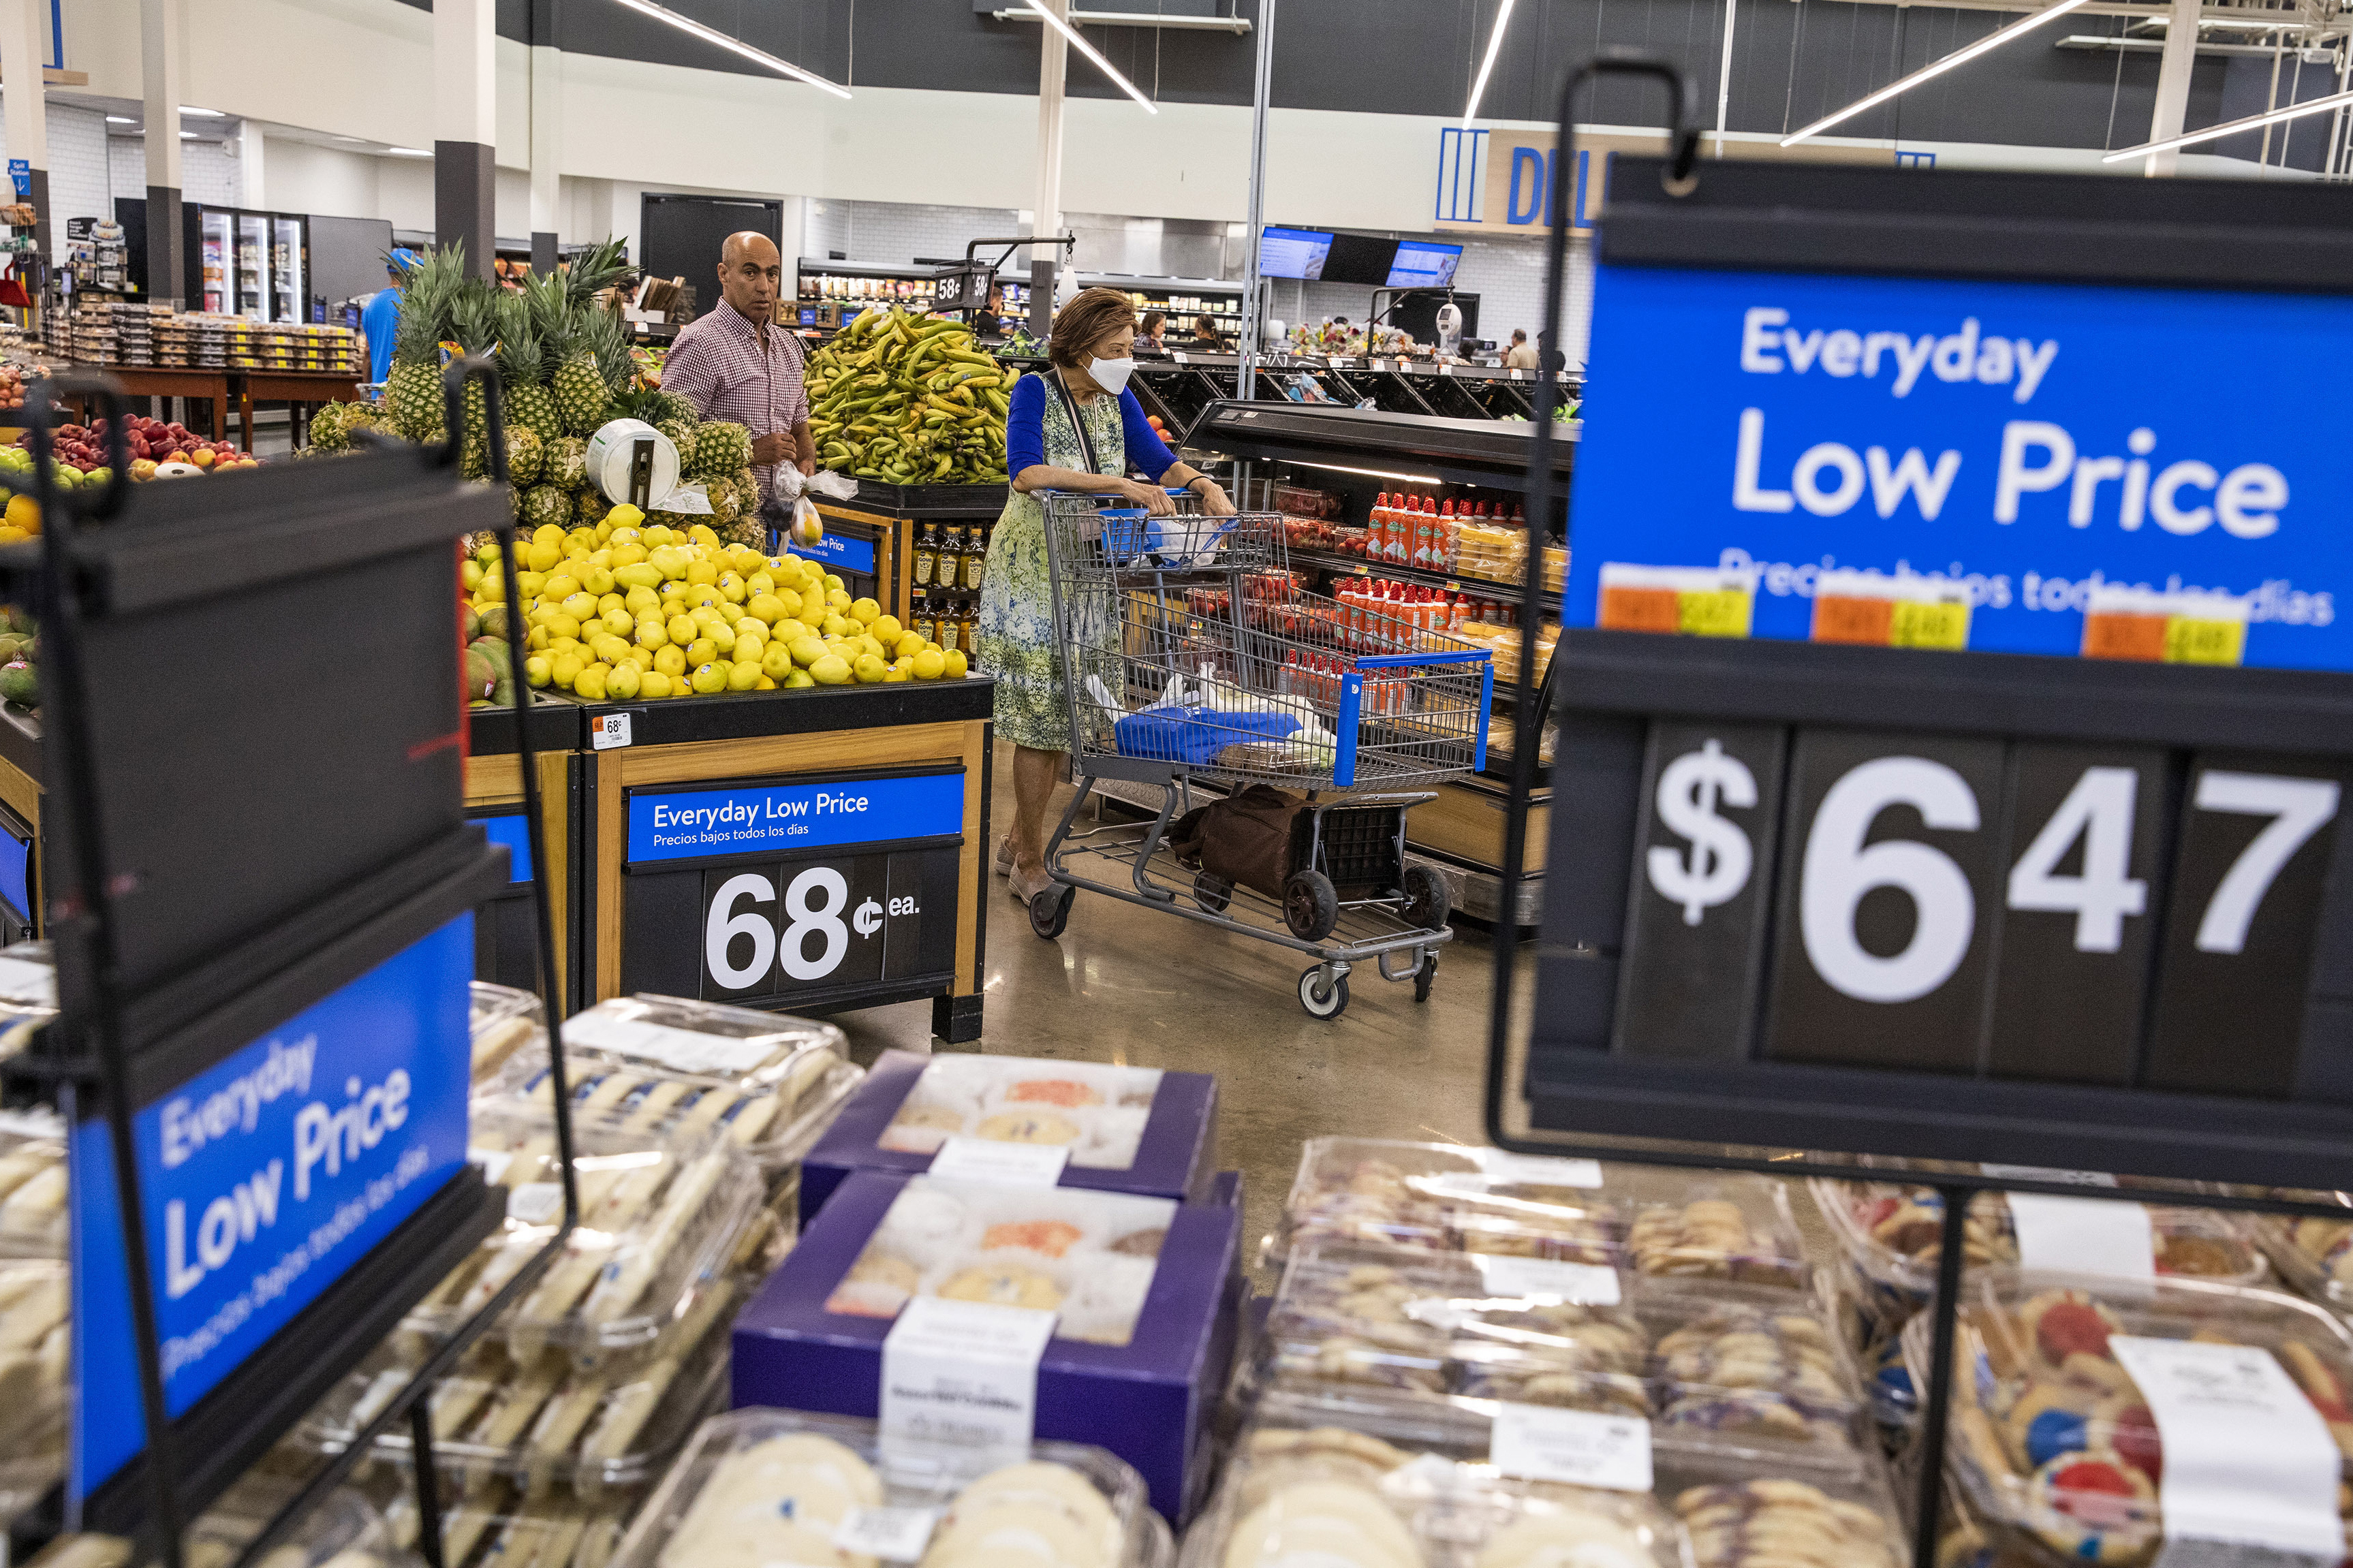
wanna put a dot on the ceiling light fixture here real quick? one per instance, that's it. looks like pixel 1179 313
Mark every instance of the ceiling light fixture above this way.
pixel 188 136
pixel 408 151
pixel 202 114
pixel 1991 41
pixel 2231 127
pixel 121 120
pixel 1495 46
pixel 1375 473
pixel 733 46
pixel 1088 49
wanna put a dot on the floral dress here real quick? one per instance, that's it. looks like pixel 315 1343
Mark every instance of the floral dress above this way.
pixel 1018 643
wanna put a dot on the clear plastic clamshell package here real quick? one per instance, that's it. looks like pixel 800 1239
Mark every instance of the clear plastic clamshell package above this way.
pixel 2053 1446
pixel 492 1524
pixel 758 1487
pixel 35 1345
pixel 549 1429
pixel 507 1025
pixel 2313 1254
pixel 1444 1197
pixel 661 1215
pixel 1727 1368
pixel 343 1530
pixel 662 1064
pixel 32 1183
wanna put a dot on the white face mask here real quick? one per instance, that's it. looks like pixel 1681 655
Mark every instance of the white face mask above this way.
pixel 1110 375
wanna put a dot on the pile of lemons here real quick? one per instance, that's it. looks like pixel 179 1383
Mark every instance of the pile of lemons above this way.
pixel 626 610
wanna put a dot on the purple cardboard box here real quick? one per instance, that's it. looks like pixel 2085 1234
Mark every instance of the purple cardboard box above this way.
pixel 1176 1153
pixel 1149 1401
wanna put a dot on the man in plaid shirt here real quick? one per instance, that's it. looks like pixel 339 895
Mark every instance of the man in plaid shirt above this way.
pixel 736 364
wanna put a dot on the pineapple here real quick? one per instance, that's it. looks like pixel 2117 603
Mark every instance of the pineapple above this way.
pixel 565 462
pixel 746 530
pixel 747 490
pixel 589 506
pixel 526 458
pixel 725 507
pixel 682 435
pixel 593 360
pixel 522 368
pixel 721 446
pixel 545 504
pixel 582 402
pixel 413 392
pixel 473 322
pixel 670 405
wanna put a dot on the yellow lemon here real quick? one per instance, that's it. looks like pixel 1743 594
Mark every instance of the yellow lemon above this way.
pixel 579 605
pixel 895 674
pixel 873 644
pixel 600 580
pixel 25 513
pixel 627 554
pixel 763 683
pixel 557 586
pixel 700 651
pixel 669 561
pixel 868 670
pixel 623 683
pixel 743 675
pixel 731 588
pixel 538 669
pixel 624 516
pixel 617 620
pixel 806 651
pixel 565 667
pixel 701 574
pixel 702 533
pixel 469 571
pixel 643 657
pixel 491 592
pixel 865 612
pixel 542 557
pixel 766 608
pixel 651 633
pixel 621 533
pixel 799 678
pixel 720 635
pixel 928 663
pixel 637 601
pixel 908 646
pixel 671 660
pixel 759 579
pixel 560 625
pixel 955 664
pixel 653 683
pixel 590 682
pixel 642 575
pixel 835 626
pixel 775 661
pixel 536 638
pixel 830 670
pixel 683 629
pixel 791 602
pixel 655 535
pixel 608 600
pixel 837 600
pixel 832 583
pixel 887 629
pixel 710 678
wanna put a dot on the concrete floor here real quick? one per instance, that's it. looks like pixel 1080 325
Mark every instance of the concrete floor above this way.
pixel 1134 986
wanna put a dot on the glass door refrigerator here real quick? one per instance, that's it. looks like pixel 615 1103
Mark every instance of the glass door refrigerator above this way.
pixel 212 250
pixel 252 273
pixel 289 293
pixel 246 263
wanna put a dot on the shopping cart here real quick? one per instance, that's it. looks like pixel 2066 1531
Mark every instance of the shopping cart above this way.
pixel 1189 652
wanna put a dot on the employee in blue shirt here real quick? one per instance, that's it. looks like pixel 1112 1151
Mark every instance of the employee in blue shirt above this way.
pixel 380 317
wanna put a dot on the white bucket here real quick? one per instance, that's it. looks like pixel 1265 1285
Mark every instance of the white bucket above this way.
pixel 614 447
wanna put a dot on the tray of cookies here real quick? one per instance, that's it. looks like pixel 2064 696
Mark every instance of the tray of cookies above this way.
pixel 2312 1253
pixel 507 1025
pixel 344 1529
pixel 493 1524
pixel 546 1426
pixel 661 1215
pixel 1337 1498
pixel 35 1346
pixel 2053 1443
pixel 772 1092
pixel 1752 1368
pixel 759 1486
pixel 32 1183
pixel 1446 1197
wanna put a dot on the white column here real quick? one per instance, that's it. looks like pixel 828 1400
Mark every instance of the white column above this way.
pixel 252 189
pixel 159 54
pixel 1246 374
pixel 1054 63
pixel 2173 83
pixel 546 125
pixel 465 127
pixel 23 99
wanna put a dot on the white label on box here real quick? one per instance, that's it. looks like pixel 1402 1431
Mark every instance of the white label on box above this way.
pixel 494 1163
pixel 2049 1173
pixel 608 730
pixel 25 982
pixel 2248 1461
pixel 1585 1284
pixel 535 1203
pixel 967 1159
pixel 1540 1169
pixel 2085 1235
pixel 964 1373
pixel 1539 1443
pixel 893 1534
pixel 680 1050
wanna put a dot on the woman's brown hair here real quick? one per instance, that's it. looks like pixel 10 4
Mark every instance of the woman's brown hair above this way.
pixel 1086 321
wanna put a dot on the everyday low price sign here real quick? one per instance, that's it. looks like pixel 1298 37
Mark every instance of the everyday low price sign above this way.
pixel 694 824
pixel 262 1180
pixel 2012 466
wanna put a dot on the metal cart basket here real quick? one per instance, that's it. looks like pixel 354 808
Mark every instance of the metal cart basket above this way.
pixel 1189 652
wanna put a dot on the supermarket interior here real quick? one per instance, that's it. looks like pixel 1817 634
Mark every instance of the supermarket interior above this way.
pixel 1003 785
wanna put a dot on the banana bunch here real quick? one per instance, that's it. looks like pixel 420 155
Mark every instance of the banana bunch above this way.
pixel 909 399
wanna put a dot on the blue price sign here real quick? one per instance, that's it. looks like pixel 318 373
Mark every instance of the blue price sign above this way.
pixel 2012 466
pixel 752 818
pixel 263 1180
pixel 838 553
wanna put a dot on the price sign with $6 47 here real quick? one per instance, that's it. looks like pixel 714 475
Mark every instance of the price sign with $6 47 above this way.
pixel 1974 905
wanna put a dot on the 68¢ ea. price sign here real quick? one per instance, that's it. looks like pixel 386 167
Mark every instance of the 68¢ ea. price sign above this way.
pixel 2034 910
pixel 779 928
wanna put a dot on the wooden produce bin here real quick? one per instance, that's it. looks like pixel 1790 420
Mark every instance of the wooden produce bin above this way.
pixel 807 851
pixel 503 927
pixel 885 517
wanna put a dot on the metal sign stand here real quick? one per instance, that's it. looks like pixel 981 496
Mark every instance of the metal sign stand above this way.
pixel 85 1052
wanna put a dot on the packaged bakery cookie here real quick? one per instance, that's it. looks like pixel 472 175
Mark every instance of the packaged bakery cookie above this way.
pixel 661 1214
pixel 1752 1515
pixel 505 1023
pixel 1344 1499
pixel 2312 1253
pixel 2061 1449
pixel 343 1530
pixel 33 1217
pixel 759 1486
pixel 493 1524
pixel 35 1348
pixel 1118 1129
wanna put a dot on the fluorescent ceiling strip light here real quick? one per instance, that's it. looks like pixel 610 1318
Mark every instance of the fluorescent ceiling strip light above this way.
pixel 1934 69
pixel 2251 122
pixel 408 151
pixel 1088 49
pixel 1495 46
pixel 121 120
pixel 733 46
pixel 202 114
pixel 1370 473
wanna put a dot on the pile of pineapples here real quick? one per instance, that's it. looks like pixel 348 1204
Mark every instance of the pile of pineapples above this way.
pixel 565 370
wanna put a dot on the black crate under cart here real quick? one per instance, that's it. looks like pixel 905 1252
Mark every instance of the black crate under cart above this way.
pixel 809 851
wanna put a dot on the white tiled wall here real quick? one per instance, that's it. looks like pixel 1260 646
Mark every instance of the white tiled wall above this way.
pixel 80 182
pixel 899 231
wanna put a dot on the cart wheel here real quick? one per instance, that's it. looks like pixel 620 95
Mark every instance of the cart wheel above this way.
pixel 1049 911
pixel 1324 995
pixel 1425 978
pixel 1427 904
pixel 1212 893
pixel 1311 905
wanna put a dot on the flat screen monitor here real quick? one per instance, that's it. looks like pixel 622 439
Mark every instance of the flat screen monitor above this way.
pixel 1359 258
pixel 1293 253
pixel 1423 265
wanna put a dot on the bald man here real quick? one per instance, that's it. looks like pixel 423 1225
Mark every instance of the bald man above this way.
pixel 735 362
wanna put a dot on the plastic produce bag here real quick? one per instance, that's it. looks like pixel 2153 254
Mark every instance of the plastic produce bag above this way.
pixel 1195 735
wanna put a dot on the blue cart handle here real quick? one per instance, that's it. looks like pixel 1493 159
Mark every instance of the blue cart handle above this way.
pixel 1395 660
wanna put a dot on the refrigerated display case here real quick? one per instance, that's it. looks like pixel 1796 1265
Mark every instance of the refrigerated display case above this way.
pixel 244 262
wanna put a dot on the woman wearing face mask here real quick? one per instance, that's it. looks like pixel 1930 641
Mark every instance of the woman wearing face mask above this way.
pixel 1074 428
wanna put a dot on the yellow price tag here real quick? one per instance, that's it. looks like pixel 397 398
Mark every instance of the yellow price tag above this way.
pixel 2204 642
pixel 1713 613
pixel 1916 624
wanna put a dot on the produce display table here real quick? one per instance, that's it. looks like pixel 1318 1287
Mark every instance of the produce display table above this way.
pixel 298 389
pixel 884 518
pixel 807 851
pixel 211 382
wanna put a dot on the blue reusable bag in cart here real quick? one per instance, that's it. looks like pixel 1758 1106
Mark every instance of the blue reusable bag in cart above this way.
pixel 1130 535
pixel 1194 735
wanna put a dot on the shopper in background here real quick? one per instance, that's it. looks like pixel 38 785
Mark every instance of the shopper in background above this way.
pixel 1074 428
pixel 380 317
pixel 1523 354
pixel 734 363
pixel 1206 335
pixel 1153 333
pixel 988 321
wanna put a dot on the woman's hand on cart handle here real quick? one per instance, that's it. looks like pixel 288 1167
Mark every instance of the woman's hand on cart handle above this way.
pixel 1151 498
pixel 1214 500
